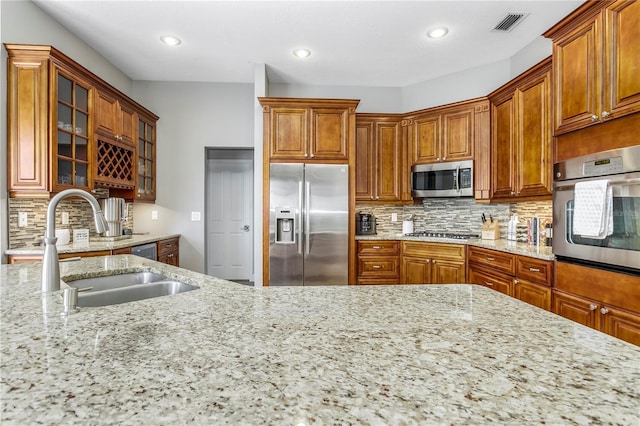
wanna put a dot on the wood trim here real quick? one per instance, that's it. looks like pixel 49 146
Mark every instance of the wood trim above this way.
pixel 588 11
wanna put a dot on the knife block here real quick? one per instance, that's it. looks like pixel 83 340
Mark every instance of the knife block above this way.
pixel 491 230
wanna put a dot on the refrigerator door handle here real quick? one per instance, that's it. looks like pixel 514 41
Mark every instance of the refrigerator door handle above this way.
pixel 299 217
pixel 307 220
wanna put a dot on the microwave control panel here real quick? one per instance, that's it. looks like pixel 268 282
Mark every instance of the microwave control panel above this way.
pixel 603 166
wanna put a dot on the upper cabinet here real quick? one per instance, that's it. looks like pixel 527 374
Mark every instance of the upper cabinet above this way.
pixel 521 163
pixel 379 158
pixel 146 184
pixel 596 51
pixel 308 129
pixel 444 133
pixel 67 128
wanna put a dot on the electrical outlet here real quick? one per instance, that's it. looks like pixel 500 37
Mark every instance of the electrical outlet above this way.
pixel 154 214
pixel 195 216
pixel 22 219
pixel 394 217
pixel 65 218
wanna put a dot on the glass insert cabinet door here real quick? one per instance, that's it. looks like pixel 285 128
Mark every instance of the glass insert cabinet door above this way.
pixel 146 160
pixel 72 132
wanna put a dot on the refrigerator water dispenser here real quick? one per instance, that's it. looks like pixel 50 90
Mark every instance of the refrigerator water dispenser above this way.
pixel 285 218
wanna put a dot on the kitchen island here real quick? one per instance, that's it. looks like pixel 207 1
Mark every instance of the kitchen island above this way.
pixel 232 354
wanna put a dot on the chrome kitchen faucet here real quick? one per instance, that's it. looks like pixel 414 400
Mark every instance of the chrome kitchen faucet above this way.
pixel 50 262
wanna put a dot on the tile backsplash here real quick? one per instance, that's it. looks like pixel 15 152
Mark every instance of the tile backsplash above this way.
pixel 80 216
pixel 460 215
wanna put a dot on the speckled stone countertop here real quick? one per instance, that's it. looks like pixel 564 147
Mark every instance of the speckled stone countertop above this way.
pixel 540 252
pixel 234 354
pixel 96 245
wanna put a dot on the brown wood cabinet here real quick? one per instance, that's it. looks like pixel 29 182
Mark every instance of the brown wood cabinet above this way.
pixel 308 129
pixel 378 262
pixel 445 133
pixel 169 251
pixel 146 167
pixel 67 128
pixel 115 118
pixel 379 155
pixel 432 263
pixel 600 299
pixel 595 71
pixel 525 278
pixel 521 160
pixel 20 258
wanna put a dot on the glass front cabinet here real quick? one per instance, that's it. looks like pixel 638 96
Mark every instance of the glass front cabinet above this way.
pixel 54 111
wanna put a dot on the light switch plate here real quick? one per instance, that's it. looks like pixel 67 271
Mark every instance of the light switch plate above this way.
pixel 154 214
pixel 65 218
pixel 394 217
pixel 22 219
pixel 195 216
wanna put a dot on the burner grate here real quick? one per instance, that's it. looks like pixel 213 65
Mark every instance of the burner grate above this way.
pixel 453 236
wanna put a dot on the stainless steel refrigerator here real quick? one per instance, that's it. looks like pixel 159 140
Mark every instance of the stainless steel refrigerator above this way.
pixel 308 224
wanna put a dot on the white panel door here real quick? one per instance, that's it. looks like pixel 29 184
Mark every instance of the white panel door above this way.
pixel 230 218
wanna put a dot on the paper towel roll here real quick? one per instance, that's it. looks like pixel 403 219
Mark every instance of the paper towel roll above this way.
pixel 407 227
pixel 63 237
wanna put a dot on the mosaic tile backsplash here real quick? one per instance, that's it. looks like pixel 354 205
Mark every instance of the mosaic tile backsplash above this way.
pixel 460 215
pixel 80 216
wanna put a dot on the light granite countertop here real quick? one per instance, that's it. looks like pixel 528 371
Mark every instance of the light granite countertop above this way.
pixel 515 247
pixel 234 354
pixel 97 244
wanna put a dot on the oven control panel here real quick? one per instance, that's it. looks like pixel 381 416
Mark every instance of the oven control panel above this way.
pixel 602 166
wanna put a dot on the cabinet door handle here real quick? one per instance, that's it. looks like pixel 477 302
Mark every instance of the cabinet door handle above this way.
pixel 433 261
pixel 594 117
pixel 605 114
pixel 592 307
pixel 516 281
pixel 534 269
pixel 604 311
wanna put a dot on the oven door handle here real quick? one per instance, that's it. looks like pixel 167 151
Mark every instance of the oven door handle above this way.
pixel 565 187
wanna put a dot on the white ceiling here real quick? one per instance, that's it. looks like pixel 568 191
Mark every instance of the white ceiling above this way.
pixel 353 43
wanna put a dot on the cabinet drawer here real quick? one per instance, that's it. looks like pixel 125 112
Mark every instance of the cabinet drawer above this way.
pixel 498 282
pixel 536 270
pixel 378 267
pixel 377 248
pixel 494 259
pixel 167 246
pixel 433 250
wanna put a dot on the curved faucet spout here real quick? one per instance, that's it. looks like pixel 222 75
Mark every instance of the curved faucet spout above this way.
pixel 50 262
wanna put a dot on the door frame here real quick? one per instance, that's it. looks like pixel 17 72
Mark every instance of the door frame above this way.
pixel 217 153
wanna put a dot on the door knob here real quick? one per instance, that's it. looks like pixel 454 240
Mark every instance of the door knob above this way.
pixel 245 228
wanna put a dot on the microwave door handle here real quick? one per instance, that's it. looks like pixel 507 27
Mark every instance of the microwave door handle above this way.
pixel 457 179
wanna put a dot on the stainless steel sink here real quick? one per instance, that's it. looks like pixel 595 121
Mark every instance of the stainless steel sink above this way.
pixel 123 288
pixel 116 281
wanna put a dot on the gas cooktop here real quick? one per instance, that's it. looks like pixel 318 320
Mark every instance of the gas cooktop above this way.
pixel 453 236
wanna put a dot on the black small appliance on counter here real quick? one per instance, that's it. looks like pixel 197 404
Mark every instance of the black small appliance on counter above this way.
pixel 365 224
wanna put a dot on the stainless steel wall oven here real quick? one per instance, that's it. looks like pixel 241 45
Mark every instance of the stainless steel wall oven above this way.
pixel 619 248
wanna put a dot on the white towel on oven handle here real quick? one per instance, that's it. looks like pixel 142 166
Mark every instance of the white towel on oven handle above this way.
pixel 593 209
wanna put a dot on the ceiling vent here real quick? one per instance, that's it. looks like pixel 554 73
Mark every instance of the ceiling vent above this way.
pixel 510 21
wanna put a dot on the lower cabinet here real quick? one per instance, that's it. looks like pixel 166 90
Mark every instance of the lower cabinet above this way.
pixel 525 278
pixel 432 263
pixel 378 262
pixel 169 251
pixel 604 300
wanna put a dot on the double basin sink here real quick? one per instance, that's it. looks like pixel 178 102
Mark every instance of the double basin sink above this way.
pixel 128 287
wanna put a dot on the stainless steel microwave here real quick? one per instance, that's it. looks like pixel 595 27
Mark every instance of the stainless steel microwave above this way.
pixel 450 179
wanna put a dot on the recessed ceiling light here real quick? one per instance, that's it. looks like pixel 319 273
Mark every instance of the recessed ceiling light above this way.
pixel 438 32
pixel 301 53
pixel 170 40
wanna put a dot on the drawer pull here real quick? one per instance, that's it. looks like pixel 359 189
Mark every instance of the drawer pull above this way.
pixel 490 259
pixel 376 266
pixel 377 247
pixel 604 311
pixel 592 307
pixel 488 283
pixel 534 269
